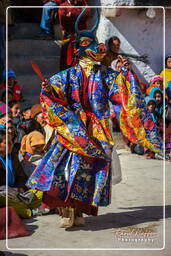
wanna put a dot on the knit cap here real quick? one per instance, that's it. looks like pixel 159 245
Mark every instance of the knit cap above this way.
pixel 156 78
pixel 9 73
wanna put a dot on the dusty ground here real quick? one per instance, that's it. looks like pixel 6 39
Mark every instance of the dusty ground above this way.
pixel 134 220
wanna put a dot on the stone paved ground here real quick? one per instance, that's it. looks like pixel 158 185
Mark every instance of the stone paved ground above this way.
pixel 133 220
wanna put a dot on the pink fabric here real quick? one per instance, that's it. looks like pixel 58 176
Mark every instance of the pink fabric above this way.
pixel 155 78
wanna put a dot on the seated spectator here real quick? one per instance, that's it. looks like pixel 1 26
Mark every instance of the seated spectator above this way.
pixel 25 127
pixel 12 85
pixel 16 182
pixel 156 82
pixel 46 20
pixel 16 177
pixel 157 94
pixel 26 112
pixel 36 113
pixel 167 71
pixel 15 107
pixel 32 149
pixel 112 52
pixel 48 131
pixel 4 95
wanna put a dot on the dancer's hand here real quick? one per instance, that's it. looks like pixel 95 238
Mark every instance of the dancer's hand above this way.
pixel 46 86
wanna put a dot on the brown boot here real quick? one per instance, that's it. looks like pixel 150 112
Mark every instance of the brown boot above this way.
pixel 79 221
pixel 67 220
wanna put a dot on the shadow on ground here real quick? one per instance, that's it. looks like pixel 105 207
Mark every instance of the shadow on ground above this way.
pixel 135 216
pixel 11 254
pixel 31 228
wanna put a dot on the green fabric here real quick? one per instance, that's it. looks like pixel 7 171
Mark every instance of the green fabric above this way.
pixel 23 210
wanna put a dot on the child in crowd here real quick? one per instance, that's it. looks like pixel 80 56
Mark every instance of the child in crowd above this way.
pixel 151 106
pixel 167 70
pixel 16 181
pixel 15 107
pixel 156 82
pixel 157 94
pixel 12 85
pixel 16 176
pixel 4 95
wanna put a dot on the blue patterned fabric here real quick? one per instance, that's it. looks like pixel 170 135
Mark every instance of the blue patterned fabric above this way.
pixel 78 162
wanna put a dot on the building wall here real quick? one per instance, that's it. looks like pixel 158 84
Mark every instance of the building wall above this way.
pixel 168 31
pixel 137 2
pixel 117 2
pixel 139 36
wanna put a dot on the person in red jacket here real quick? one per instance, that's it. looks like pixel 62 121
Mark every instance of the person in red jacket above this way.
pixel 12 85
pixel 67 17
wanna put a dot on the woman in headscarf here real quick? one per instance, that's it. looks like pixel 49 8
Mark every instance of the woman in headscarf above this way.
pixel 32 149
pixel 15 181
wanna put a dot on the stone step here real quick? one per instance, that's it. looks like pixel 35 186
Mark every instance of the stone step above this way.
pixel 25 30
pixel 27 47
pixel 32 100
pixel 31 87
pixel 22 65
pixel 31 84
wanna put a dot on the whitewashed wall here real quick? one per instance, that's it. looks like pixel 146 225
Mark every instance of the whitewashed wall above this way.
pixel 139 35
pixel 168 31
pixel 117 2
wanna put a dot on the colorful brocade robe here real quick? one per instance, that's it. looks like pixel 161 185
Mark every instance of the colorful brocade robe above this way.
pixel 136 123
pixel 79 159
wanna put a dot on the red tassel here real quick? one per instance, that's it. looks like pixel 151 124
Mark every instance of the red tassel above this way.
pixel 37 71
